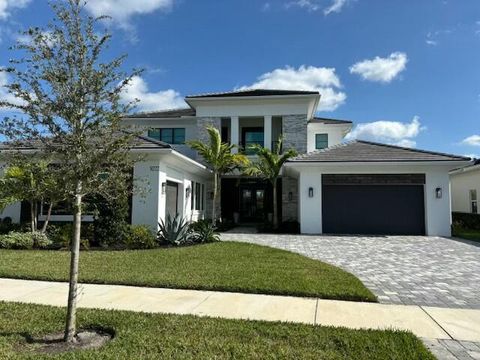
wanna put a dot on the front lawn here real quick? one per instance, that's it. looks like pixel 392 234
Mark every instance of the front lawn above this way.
pixel 224 266
pixel 155 336
pixel 467 234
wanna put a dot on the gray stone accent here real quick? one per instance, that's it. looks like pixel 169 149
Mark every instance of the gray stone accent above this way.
pixel 203 122
pixel 294 128
pixel 289 207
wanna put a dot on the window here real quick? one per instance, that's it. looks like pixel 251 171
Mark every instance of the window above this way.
pixel 473 201
pixel 321 141
pixel 168 135
pixel 198 196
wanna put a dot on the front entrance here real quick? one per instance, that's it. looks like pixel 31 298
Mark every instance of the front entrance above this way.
pixel 252 203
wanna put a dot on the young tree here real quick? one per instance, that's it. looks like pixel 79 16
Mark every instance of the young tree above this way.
pixel 30 179
pixel 68 98
pixel 219 157
pixel 268 167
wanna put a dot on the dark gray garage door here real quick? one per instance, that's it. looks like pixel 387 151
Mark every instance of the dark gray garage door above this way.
pixel 373 204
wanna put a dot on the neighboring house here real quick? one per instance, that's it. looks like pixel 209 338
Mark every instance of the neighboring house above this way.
pixel 331 187
pixel 465 188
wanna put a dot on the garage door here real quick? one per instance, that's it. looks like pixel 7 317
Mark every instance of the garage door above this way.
pixel 373 204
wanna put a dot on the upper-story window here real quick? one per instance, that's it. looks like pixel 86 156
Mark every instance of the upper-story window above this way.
pixel 321 141
pixel 168 135
pixel 473 202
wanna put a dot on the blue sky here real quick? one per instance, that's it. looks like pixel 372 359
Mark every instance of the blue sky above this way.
pixel 406 72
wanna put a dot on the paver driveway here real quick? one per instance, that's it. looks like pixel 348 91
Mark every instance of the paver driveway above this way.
pixel 417 270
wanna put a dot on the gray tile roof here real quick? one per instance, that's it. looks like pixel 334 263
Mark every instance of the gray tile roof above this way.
pixel 172 113
pixel 329 121
pixel 253 92
pixel 367 151
pixel 140 143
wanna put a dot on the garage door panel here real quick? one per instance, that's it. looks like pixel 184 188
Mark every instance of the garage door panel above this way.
pixel 373 209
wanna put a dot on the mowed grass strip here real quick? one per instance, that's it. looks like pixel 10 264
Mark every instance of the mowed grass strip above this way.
pixel 224 266
pixel 155 336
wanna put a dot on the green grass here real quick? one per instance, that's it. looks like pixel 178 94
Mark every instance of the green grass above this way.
pixel 225 266
pixel 467 234
pixel 155 336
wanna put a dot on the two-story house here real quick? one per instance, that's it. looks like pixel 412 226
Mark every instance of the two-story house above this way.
pixel 334 187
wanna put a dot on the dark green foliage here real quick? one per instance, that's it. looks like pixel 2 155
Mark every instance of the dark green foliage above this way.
pixel 205 232
pixel 188 337
pixel 6 225
pixel 466 220
pixel 139 237
pixel 175 231
pixel 223 266
pixel 111 225
pixel 61 235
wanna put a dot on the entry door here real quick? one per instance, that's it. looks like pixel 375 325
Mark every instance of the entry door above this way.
pixel 171 206
pixel 252 204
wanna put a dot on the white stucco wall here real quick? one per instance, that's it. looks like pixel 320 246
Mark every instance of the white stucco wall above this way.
pixel 461 184
pixel 335 133
pixel 437 211
pixel 11 211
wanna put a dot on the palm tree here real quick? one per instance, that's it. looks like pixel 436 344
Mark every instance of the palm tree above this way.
pixel 221 160
pixel 268 167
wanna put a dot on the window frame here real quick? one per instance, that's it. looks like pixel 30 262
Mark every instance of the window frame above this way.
pixel 473 197
pixel 323 141
pixel 156 133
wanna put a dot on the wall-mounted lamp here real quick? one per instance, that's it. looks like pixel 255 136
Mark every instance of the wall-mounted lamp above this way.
pixel 438 192
pixel 290 196
pixel 188 190
pixel 164 188
pixel 310 192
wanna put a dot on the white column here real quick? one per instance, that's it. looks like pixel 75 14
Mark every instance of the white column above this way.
pixel 267 131
pixel 234 131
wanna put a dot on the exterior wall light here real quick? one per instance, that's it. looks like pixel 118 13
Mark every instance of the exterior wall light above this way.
pixel 290 196
pixel 164 188
pixel 438 192
pixel 310 192
pixel 188 190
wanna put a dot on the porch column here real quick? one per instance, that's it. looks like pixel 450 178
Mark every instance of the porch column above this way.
pixel 267 132
pixel 234 132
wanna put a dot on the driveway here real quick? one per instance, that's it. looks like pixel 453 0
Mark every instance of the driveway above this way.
pixel 411 270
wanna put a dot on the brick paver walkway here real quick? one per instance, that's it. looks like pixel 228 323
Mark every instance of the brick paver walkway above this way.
pixel 411 270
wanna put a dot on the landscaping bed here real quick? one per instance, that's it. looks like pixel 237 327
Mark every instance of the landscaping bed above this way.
pixel 155 336
pixel 222 266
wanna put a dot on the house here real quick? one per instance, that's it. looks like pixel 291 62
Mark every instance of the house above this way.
pixel 332 187
pixel 465 188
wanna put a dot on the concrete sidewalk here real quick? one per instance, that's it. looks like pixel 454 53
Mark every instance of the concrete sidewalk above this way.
pixel 425 322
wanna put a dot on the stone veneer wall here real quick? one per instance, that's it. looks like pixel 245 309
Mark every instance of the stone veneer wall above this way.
pixel 289 207
pixel 203 122
pixel 294 128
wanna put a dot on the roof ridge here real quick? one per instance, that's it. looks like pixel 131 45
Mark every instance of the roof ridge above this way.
pixel 157 111
pixel 412 149
pixel 248 89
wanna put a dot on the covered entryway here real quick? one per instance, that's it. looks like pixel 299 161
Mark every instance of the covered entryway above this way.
pixel 171 205
pixel 390 204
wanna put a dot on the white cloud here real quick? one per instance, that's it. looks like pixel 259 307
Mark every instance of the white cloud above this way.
pixel 5 95
pixel 323 80
pixel 472 156
pixel 151 101
pixel 122 10
pixel 381 69
pixel 390 132
pixel 473 140
pixel 335 7
pixel 6 6
pixel 309 5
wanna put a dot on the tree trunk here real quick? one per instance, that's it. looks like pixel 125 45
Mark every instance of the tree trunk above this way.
pixel 70 328
pixel 214 208
pixel 49 214
pixel 275 208
pixel 33 225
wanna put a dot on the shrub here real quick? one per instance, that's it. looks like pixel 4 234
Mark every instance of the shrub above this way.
pixel 17 240
pixel 466 220
pixel 111 225
pixel 204 232
pixel 61 235
pixel 175 231
pixel 139 237
pixel 6 225
pixel 40 240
